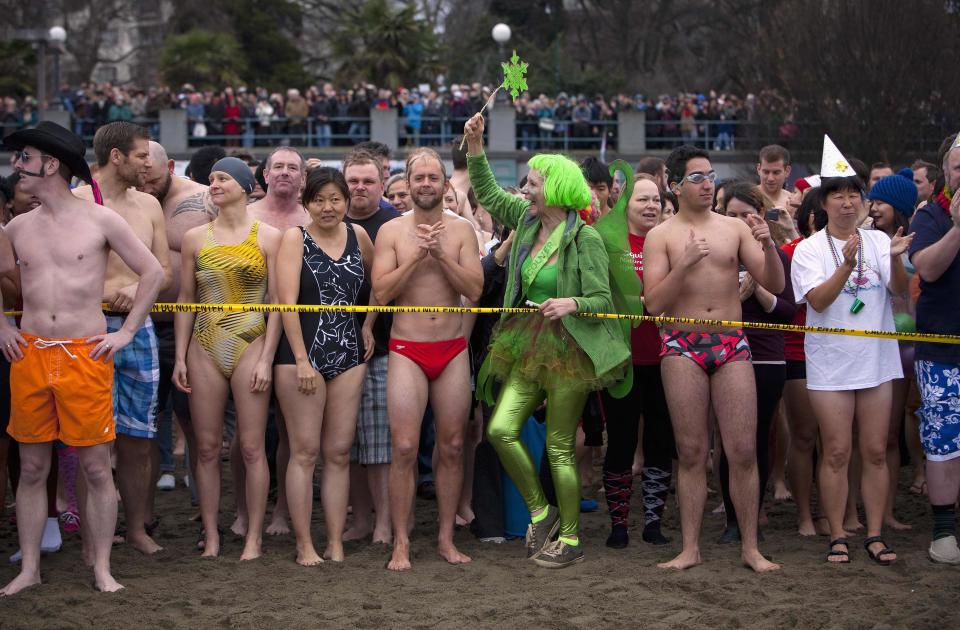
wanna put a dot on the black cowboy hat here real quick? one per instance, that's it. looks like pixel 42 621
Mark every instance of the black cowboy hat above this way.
pixel 57 141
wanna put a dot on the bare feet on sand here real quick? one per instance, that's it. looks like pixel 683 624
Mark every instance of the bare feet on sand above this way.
pixel 252 550
pixel 384 537
pixel 400 559
pixel 465 516
pixel 356 533
pixel 308 557
pixel 781 492
pixel 239 526
pixel 333 552
pixel 279 526
pixel 755 560
pixel 806 528
pixel 106 584
pixel 22 581
pixel 852 525
pixel 451 554
pixel 893 523
pixel 685 560
pixel 211 545
pixel 145 544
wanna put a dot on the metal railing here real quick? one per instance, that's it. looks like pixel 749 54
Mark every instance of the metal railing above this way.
pixel 431 130
pixel 262 131
pixel 529 133
pixel 565 135
pixel 252 132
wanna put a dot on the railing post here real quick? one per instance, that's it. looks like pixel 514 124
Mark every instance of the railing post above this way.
pixel 631 132
pixel 503 128
pixel 173 130
pixel 383 127
pixel 58 116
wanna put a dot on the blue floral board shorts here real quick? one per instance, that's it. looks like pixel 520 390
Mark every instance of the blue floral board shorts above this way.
pixel 939 412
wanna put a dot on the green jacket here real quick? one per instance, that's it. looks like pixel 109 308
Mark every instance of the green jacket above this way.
pixel 582 268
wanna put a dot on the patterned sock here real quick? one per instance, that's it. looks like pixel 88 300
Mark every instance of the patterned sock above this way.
pixel 618 488
pixel 67 461
pixel 656 486
pixel 944 521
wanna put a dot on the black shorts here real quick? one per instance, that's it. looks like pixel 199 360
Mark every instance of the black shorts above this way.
pixel 592 420
pixel 796 370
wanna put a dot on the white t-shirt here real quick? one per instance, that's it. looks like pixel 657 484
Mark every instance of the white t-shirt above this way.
pixel 835 362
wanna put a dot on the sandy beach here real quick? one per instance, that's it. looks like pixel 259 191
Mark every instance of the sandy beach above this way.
pixel 500 589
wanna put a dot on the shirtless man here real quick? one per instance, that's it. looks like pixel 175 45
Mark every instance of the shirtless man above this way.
pixel 186 204
pixel 691 270
pixel 773 170
pixel 427 257
pixel 285 174
pixel 62 291
pixel 123 156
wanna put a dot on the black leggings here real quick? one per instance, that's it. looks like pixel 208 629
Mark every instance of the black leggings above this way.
pixel 623 421
pixel 770 380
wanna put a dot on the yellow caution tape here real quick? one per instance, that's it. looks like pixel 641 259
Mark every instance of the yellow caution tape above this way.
pixel 318 308
pixel 175 307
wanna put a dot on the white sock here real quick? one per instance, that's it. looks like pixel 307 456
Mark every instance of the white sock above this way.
pixel 52 540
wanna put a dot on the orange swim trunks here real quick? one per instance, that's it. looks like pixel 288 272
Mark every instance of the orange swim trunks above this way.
pixel 58 392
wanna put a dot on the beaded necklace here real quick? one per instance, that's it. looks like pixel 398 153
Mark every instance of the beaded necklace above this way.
pixel 858 304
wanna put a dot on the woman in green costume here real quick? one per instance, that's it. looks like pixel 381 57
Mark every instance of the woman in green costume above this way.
pixel 561 265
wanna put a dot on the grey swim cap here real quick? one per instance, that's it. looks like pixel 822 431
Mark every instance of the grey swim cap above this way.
pixel 238 170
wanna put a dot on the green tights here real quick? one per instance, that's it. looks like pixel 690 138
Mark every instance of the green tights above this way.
pixel 518 399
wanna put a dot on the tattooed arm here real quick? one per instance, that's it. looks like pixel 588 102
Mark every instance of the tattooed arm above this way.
pixel 191 211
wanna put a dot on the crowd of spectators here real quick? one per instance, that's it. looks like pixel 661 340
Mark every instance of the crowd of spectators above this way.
pixel 324 115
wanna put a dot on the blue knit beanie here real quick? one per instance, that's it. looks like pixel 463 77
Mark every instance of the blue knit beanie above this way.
pixel 897 190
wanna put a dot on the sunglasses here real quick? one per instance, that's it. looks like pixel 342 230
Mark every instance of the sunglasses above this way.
pixel 699 178
pixel 24 156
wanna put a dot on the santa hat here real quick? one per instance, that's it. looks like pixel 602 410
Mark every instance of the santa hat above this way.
pixel 804 183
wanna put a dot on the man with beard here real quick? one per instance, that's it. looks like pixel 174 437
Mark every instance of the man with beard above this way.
pixel 123 158
pixel 427 257
pixel 186 204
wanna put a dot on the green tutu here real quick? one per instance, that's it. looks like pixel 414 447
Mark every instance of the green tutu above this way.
pixel 540 350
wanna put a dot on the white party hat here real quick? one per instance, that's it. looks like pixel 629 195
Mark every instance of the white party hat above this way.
pixel 956 142
pixel 833 163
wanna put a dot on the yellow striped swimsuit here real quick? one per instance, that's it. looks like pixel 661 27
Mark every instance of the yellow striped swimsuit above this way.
pixel 230 274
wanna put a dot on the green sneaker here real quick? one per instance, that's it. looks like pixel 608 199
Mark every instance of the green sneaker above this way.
pixel 559 554
pixel 539 534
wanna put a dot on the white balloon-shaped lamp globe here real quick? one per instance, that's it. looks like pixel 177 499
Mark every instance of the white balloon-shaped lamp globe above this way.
pixel 501 33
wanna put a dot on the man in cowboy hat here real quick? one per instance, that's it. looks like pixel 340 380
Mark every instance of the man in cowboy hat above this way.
pixel 62 369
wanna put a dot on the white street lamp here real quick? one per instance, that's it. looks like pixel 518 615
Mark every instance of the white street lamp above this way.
pixel 57 36
pixel 501 34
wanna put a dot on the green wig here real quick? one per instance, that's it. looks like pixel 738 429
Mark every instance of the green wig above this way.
pixel 625 285
pixel 563 183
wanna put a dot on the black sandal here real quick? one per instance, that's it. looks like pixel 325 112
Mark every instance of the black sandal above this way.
pixel 836 553
pixel 876 556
